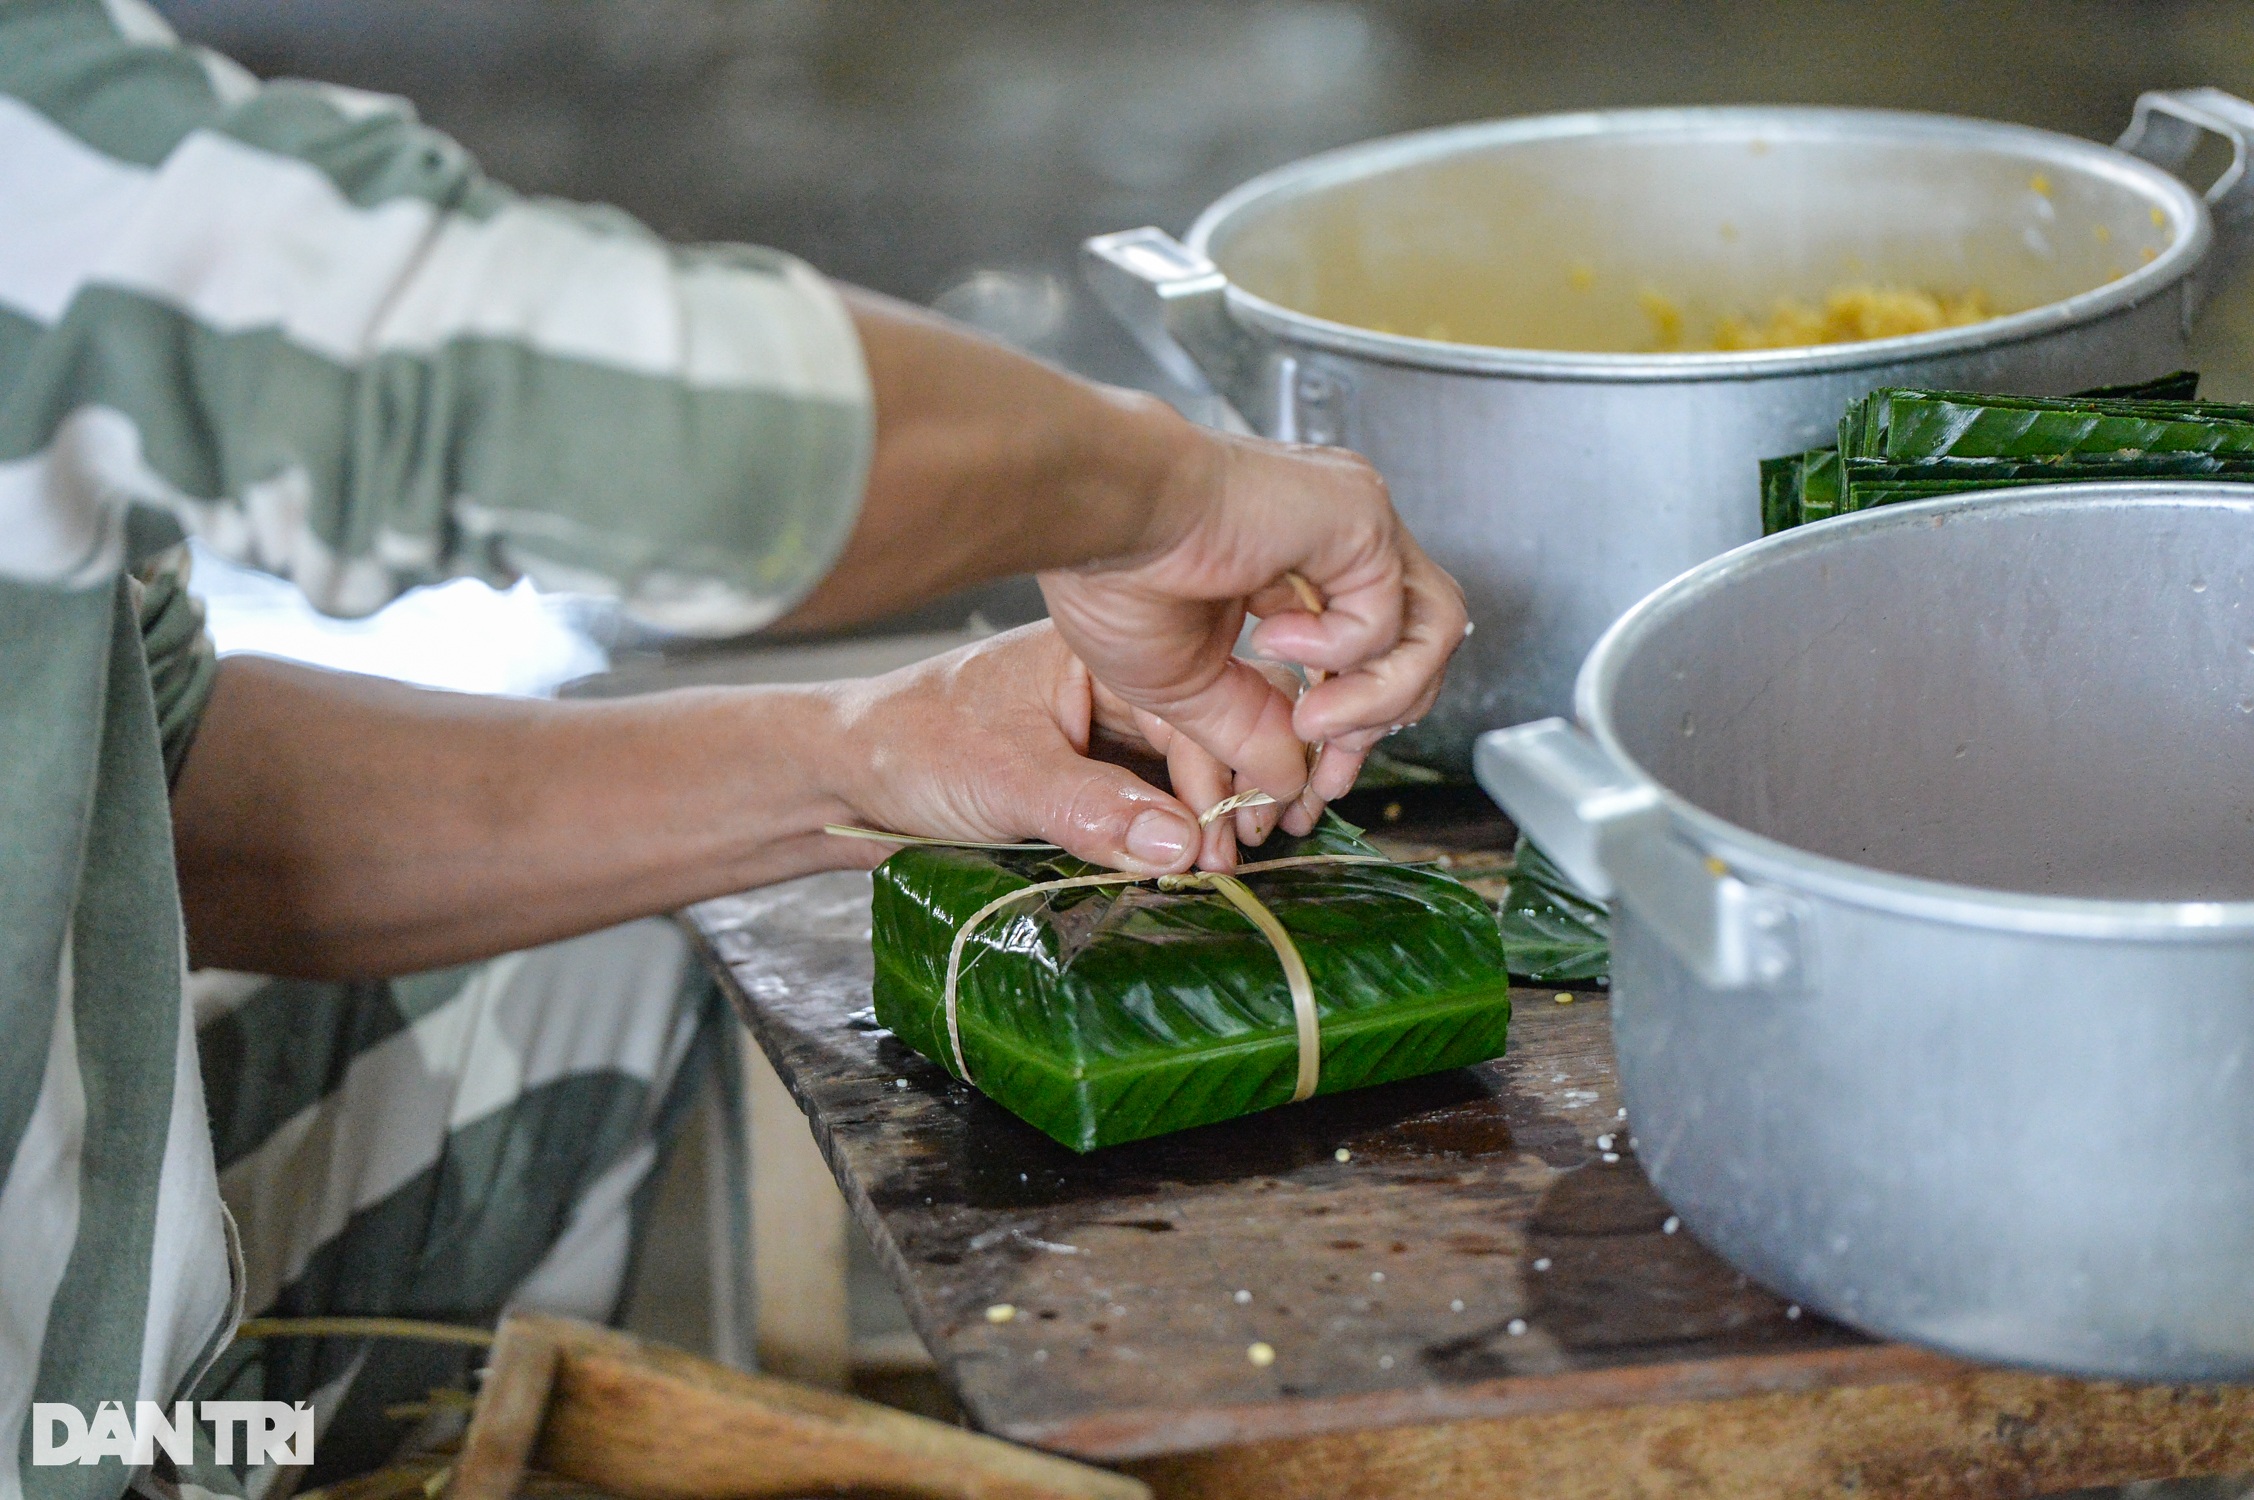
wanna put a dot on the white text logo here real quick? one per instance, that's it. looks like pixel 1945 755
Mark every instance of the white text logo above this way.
pixel 273 1432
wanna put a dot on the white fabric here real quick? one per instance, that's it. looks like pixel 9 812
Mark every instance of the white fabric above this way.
pixel 137 21
pixel 63 197
pixel 62 514
pixel 42 1188
pixel 608 1001
pixel 583 1272
pixel 192 1283
pixel 212 993
pixel 239 238
pixel 62 511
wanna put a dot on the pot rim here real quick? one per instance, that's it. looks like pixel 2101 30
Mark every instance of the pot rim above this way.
pixel 1794 868
pixel 2186 210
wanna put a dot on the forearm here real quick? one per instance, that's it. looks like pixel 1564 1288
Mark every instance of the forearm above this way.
pixel 989 464
pixel 335 826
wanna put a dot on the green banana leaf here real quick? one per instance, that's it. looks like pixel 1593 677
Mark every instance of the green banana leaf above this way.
pixel 2054 440
pixel 2177 385
pixel 1783 482
pixel 1913 482
pixel 1864 418
pixel 1553 933
pixel 1800 487
pixel 1902 426
pixel 1109 1014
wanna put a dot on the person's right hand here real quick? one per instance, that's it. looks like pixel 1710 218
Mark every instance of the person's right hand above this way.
pixel 1159 628
pixel 1153 539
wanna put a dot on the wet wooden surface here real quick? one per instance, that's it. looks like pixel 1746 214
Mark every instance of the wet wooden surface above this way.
pixel 1455 1265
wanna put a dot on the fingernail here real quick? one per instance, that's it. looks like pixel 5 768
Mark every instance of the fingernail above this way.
pixel 1159 838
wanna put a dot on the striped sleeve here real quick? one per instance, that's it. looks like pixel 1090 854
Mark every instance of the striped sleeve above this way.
pixel 309 327
pixel 183 666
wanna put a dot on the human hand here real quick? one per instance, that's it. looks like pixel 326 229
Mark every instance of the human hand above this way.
pixel 1153 538
pixel 1158 629
pixel 991 744
pixel 305 850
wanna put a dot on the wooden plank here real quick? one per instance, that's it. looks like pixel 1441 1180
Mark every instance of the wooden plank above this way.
pixel 641 1421
pixel 1130 1433
pixel 512 1402
pixel 1968 1435
pixel 798 1239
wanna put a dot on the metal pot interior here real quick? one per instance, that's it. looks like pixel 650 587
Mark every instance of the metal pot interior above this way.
pixel 2049 693
pixel 1547 234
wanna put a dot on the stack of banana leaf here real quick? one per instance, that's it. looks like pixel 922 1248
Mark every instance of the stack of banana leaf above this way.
pixel 1108 1013
pixel 1900 444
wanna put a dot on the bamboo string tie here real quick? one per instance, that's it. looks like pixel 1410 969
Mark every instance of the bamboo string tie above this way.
pixel 414 1330
pixel 1310 599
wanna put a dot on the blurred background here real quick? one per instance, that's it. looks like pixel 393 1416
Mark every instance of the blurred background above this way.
pixel 955 154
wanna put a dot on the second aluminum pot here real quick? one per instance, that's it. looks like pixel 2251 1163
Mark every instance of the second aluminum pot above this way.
pixel 1929 838
pixel 1464 307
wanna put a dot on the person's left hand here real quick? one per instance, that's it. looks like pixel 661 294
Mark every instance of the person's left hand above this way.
pixel 991 744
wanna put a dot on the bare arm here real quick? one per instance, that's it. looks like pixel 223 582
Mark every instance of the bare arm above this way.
pixel 329 824
pixel 335 826
pixel 989 464
pixel 1154 538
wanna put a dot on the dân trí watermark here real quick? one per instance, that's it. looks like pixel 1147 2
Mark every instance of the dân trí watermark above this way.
pixel 273 1432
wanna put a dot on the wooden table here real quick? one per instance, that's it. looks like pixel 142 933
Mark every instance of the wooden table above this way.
pixel 1467 1285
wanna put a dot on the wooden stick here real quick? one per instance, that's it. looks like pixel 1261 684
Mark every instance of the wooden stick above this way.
pixel 1311 600
pixel 802 1323
pixel 505 1423
pixel 412 1330
pixel 644 1422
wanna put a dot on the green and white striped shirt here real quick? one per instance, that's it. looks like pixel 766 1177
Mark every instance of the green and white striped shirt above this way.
pixel 292 321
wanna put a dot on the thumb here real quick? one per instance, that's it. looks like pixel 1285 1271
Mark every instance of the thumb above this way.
pixel 1244 721
pixel 1104 814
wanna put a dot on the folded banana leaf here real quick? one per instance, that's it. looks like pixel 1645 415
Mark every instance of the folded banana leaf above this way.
pixel 1553 933
pixel 1800 487
pixel 2061 440
pixel 1108 1014
pixel 1871 484
pixel 2164 394
pixel 1906 426
pixel 2177 385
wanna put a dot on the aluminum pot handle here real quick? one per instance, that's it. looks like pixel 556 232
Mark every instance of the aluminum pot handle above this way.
pixel 1606 828
pixel 2166 129
pixel 1175 302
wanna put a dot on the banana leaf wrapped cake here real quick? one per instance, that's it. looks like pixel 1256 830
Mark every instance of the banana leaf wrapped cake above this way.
pixel 1103 1010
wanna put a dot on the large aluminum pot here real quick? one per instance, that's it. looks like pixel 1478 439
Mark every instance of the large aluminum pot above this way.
pixel 1929 837
pixel 1557 472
